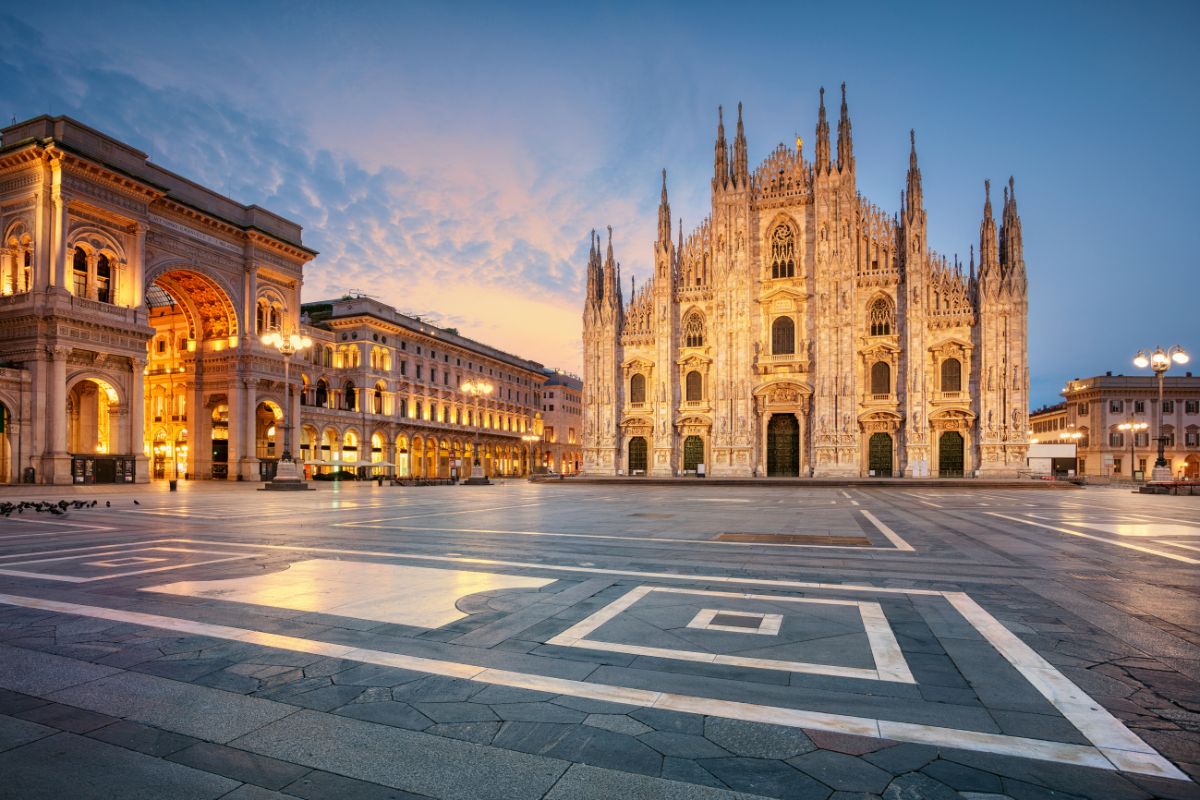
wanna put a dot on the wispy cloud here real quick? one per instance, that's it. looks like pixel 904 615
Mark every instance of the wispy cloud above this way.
pixel 496 252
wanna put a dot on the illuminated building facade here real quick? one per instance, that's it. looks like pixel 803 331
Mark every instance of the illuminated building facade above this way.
pixel 562 412
pixel 801 330
pixel 381 393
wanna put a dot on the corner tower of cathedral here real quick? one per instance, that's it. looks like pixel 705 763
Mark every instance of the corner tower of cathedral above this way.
pixel 801 330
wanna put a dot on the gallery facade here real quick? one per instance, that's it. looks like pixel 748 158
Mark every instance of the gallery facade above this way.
pixel 800 330
pixel 127 311
pixel 132 302
pixel 385 393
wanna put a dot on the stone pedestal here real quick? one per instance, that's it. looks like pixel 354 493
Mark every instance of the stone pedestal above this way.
pixel 287 478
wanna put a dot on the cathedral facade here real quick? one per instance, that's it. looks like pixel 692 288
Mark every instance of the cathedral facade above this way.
pixel 801 330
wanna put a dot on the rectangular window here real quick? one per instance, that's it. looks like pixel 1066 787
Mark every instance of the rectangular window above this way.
pixel 1142 439
pixel 1142 465
pixel 432 375
pixel 1191 407
pixel 1168 406
pixel 1116 406
pixel 1083 408
pixel 1116 439
pixel 1139 406
pixel 1192 438
pixel 403 367
pixel 403 345
pixel 1116 466
pixel 418 372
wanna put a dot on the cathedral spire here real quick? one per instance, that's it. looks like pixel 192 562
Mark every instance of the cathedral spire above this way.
pixel 611 287
pixel 822 157
pixel 914 202
pixel 740 176
pixel 1012 259
pixel 721 154
pixel 845 151
pixel 988 260
pixel 593 255
pixel 664 216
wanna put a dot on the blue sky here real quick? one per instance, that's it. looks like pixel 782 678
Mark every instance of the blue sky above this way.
pixel 451 158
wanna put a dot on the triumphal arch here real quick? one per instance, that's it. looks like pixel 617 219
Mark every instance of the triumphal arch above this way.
pixel 131 303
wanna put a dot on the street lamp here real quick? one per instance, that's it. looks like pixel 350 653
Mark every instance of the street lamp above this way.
pixel 287 476
pixel 1160 361
pixel 1133 428
pixel 476 389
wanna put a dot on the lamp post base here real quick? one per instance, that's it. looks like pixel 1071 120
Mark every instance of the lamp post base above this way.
pixel 480 480
pixel 1159 474
pixel 287 478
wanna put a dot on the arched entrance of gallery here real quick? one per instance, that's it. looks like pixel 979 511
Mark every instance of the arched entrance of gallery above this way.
pixel 94 432
pixel 194 321
pixel 7 469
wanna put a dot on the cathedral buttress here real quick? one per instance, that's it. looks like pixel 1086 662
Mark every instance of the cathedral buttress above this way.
pixel 910 382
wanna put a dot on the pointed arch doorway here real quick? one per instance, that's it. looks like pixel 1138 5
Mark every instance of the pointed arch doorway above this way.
pixel 783 446
pixel 950 454
pixel 879 455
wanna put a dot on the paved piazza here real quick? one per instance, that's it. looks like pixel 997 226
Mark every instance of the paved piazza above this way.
pixel 600 641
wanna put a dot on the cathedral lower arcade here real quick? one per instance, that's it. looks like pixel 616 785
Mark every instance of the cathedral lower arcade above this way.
pixel 800 330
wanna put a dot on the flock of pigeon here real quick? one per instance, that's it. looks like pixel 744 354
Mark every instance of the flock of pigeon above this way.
pixel 58 509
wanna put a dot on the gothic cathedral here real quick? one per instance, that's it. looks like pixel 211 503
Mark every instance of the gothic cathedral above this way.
pixel 802 331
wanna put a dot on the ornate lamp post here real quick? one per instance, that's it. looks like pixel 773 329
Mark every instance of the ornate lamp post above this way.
pixel 476 389
pixel 287 476
pixel 1160 361
pixel 1132 427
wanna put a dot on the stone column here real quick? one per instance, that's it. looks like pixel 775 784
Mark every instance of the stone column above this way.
pixel 248 460
pixel 92 294
pixel 802 445
pixel 135 274
pixel 56 465
pixel 765 417
pixel 136 443
pixel 234 399
pixel 58 231
pixel 8 271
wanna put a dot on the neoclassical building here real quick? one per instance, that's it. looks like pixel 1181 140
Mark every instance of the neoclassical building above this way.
pixel 800 330
pixel 381 392
pixel 130 303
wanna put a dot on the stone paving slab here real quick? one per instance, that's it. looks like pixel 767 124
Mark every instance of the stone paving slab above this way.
pixel 175 706
pixel 35 673
pixel 79 768
pixel 582 782
pixel 407 760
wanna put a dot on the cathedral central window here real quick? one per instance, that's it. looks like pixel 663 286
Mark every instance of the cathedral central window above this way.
pixel 783 252
pixel 693 331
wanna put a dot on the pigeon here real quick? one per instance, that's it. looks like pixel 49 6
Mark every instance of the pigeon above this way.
pixel 108 503
pixel 136 503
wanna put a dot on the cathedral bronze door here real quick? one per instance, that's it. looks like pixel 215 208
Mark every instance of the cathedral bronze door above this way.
pixel 879 460
pixel 950 455
pixel 783 446
pixel 693 453
pixel 637 456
